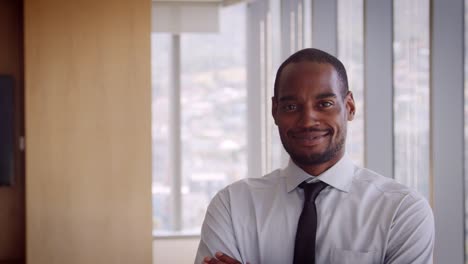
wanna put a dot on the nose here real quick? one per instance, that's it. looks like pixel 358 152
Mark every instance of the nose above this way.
pixel 309 117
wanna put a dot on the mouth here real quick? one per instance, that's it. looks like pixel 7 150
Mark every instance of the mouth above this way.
pixel 312 138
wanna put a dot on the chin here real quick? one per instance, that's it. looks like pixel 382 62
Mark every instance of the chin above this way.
pixel 317 157
pixel 311 158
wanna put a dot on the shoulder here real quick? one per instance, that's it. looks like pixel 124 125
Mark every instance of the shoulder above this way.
pixel 387 192
pixel 243 190
pixel 405 201
pixel 268 181
pixel 366 178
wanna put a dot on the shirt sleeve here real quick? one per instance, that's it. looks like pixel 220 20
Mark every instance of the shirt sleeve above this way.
pixel 217 232
pixel 411 237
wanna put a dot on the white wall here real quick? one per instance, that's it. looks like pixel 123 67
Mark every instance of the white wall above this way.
pixel 175 250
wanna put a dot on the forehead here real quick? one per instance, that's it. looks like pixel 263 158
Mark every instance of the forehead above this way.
pixel 308 78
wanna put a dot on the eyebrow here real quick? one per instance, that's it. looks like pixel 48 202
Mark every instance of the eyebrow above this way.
pixel 318 97
pixel 325 95
pixel 287 98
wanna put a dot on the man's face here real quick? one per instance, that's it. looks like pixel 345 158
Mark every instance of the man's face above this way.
pixel 311 113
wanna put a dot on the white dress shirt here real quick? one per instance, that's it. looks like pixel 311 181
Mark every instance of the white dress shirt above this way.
pixel 362 218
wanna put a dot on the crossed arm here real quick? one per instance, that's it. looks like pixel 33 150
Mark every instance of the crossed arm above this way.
pixel 220 258
pixel 410 238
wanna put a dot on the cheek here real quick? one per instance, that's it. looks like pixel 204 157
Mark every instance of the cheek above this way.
pixel 283 130
pixel 339 127
pixel 284 123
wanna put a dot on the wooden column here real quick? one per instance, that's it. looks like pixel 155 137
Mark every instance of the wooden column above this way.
pixel 88 131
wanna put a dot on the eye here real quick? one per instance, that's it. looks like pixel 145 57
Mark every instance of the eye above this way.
pixel 325 104
pixel 289 108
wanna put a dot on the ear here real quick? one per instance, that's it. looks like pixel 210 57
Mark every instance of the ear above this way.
pixel 274 109
pixel 350 106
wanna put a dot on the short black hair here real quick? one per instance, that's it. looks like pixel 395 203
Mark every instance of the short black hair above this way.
pixel 318 56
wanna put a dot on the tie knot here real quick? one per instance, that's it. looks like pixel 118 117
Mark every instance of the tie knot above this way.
pixel 312 190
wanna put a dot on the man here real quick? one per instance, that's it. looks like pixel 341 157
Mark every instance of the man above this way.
pixel 321 208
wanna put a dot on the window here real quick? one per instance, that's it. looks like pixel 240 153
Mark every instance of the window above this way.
pixel 351 53
pixel 215 100
pixel 411 93
pixel 212 121
pixel 466 129
pixel 162 197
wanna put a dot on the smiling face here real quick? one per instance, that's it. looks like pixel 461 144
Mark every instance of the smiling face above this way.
pixel 311 114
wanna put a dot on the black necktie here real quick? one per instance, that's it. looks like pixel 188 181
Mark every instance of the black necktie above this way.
pixel 304 248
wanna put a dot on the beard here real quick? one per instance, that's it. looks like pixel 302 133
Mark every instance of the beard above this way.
pixel 330 152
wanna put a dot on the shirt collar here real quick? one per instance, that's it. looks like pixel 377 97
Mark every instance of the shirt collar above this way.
pixel 339 176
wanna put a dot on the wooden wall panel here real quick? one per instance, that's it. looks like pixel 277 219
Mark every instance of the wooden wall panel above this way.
pixel 88 131
pixel 12 207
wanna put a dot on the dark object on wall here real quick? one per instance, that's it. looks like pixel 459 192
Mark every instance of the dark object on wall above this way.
pixel 6 130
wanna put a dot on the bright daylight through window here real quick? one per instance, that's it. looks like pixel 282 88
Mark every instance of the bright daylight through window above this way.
pixel 212 123
pixel 466 131
pixel 411 93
